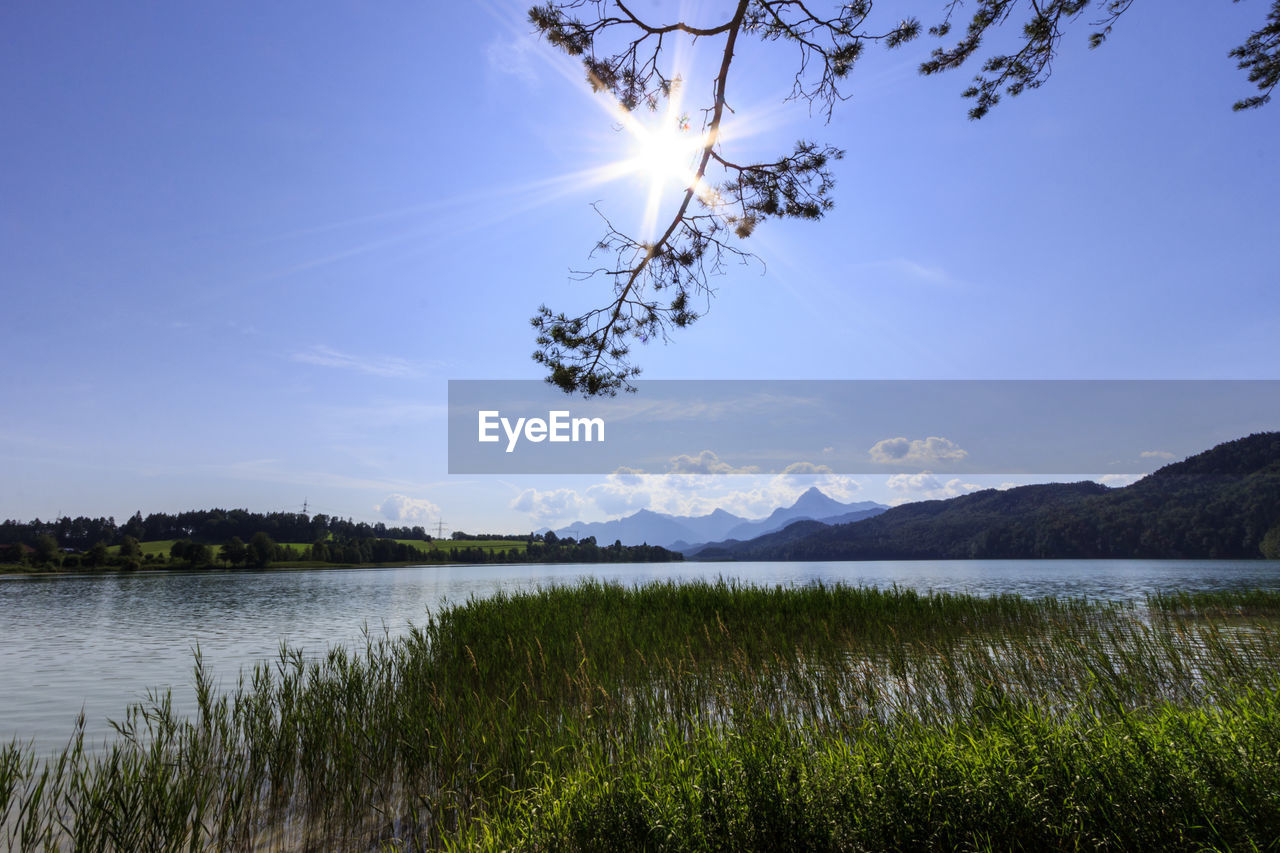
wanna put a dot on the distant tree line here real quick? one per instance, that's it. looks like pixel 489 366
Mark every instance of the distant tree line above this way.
pixel 553 549
pixel 261 552
pixel 199 549
pixel 207 526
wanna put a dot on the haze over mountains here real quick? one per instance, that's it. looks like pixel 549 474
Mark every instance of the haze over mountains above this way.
pixel 682 531
pixel 1222 503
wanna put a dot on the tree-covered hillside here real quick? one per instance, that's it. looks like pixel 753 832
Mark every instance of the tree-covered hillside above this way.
pixel 1223 503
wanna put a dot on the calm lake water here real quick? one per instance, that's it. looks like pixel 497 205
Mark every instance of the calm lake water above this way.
pixel 99 643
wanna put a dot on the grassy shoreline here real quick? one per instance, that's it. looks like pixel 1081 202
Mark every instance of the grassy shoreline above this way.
pixel 704 716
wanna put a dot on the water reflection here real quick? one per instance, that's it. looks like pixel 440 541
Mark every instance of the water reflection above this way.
pixel 99 643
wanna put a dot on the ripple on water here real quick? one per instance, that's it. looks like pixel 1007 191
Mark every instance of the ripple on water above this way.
pixel 100 642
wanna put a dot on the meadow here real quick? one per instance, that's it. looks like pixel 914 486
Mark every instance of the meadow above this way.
pixel 708 717
pixel 161 547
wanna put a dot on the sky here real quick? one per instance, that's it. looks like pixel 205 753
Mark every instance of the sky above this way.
pixel 245 248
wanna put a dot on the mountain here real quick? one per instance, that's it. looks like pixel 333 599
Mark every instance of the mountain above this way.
pixel 813 504
pixel 1220 503
pixel 733 549
pixel 645 526
pixel 677 531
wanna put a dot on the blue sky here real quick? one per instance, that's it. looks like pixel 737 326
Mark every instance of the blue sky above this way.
pixel 244 248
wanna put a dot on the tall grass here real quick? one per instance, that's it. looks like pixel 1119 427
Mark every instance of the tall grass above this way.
pixel 706 716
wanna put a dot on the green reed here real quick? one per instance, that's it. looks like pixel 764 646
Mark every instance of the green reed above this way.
pixel 705 716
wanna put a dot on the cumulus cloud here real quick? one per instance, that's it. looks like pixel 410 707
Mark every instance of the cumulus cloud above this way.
pixel 925 486
pixel 757 496
pixel 404 508
pixel 626 490
pixel 674 494
pixel 801 476
pixel 1156 454
pixel 630 477
pixel 751 495
pixel 705 462
pixel 915 451
pixel 623 492
pixel 802 469
pixel 550 505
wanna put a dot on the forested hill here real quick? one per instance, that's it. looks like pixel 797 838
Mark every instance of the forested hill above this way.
pixel 1221 503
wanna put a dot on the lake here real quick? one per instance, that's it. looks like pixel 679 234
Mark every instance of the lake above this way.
pixel 100 642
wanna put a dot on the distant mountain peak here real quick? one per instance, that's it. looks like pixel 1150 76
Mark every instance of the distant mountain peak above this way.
pixel 1219 504
pixel 813 496
pixel 658 528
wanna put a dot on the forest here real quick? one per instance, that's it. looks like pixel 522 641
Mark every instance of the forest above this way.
pixel 1223 503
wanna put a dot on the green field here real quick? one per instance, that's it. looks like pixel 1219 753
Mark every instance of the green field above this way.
pixel 161 547
pixel 710 717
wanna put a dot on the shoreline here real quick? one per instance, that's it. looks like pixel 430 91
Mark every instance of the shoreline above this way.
pixel 12 570
pixel 592 716
pixel 9 569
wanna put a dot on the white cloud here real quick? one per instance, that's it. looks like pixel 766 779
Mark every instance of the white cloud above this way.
pixel 628 476
pixel 623 492
pixel 1156 454
pixel 626 490
pixel 323 356
pixel 750 495
pixel 799 477
pixel 925 486
pixel 904 451
pixel 549 506
pixel 705 462
pixel 404 508
pixel 698 485
pixel 756 500
pixel 803 469
pixel 1116 481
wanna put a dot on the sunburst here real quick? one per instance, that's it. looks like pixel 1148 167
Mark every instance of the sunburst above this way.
pixel 663 152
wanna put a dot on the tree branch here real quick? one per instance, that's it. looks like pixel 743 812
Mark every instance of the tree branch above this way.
pixel 653 282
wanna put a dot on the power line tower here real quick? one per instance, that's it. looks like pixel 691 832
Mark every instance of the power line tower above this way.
pixel 440 529
pixel 304 506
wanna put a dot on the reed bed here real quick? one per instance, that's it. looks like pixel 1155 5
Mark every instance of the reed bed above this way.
pixel 706 716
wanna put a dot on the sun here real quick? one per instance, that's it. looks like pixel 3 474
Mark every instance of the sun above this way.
pixel 663 153
pixel 664 150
